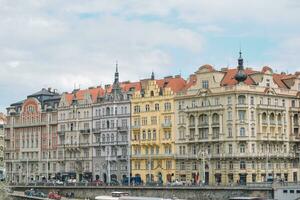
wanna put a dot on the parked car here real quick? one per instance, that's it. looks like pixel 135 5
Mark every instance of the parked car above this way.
pixel 54 195
pixel 40 194
pixel 29 192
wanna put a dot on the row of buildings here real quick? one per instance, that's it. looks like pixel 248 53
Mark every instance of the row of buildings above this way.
pixel 2 122
pixel 226 126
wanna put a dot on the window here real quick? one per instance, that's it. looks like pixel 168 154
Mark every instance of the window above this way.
pixel 253 148
pixel 153 120
pixel 147 108
pixel 229 115
pixel 156 106
pixel 167 106
pixel 268 82
pixel 242 114
pixel 241 99
pixel 242 165
pixel 242 148
pixel 293 103
pixel 252 100
pixel 231 165
pixel 230 148
pixel 230 132
pixel 205 84
pixel 229 100
pixel 242 132
pixel 137 109
pixel 252 131
pixel 252 115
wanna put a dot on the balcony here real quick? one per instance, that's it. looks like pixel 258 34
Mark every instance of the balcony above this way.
pixel 85 131
pixel 60 132
pixel 204 108
pixel 84 144
pixel 7 137
pixel 270 107
pixel 96 130
pixel 136 127
pixel 166 125
pixel 122 128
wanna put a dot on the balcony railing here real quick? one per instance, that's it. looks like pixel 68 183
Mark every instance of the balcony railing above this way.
pixel 166 125
pixel 85 131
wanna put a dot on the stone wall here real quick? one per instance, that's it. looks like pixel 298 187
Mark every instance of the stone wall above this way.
pixel 207 193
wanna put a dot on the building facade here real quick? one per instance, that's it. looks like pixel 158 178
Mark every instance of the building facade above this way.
pixel 238 126
pixel 111 129
pixel 2 123
pixel 153 130
pixel 75 150
pixel 31 137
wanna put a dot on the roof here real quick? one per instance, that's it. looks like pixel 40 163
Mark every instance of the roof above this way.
pixel 79 94
pixel 176 83
pixel 43 92
pixel 229 79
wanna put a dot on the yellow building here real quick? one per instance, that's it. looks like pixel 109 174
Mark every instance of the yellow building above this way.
pixel 153 131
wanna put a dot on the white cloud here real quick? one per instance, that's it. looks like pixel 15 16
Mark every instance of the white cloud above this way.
pixel 58 43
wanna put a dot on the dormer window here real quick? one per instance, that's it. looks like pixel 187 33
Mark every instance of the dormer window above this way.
pixel 205 84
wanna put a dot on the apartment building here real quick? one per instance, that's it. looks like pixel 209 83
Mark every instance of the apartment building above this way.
pixel 111 128
pixel 153 129
pixel 75 138
pixel 238 126
pixel 2 123
pixel 31 137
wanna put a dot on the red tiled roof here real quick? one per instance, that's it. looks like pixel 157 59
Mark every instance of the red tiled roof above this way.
pixel 266 68
pixel 174 83
pixel 278 79
pixel 229 79
pixel 208 67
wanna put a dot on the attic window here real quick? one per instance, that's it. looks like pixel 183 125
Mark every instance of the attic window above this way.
pixel 268 83
pixel 151 93
pixel 205 84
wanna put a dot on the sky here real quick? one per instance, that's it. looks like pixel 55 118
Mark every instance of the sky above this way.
pixel 76 43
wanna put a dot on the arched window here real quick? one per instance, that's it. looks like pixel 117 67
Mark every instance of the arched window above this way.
pixel 296 119
pixel 215 118
pixel 192 120
pixel 203 119
pixel 107 138
pixel 103 138
pixel 107 111
pixel 151 93
pixel 279 118
pixel 264 118
pixel 107 124
pixel 272 118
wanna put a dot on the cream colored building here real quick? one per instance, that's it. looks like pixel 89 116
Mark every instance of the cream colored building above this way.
pixel 75 138
pixel 238 126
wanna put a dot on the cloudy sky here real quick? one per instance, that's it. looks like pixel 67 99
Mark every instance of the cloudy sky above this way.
pixel 59 44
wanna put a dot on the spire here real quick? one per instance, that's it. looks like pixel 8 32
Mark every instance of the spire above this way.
pixel 116 73
pixel 241 62
pixel 152 75
pixel 240 76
